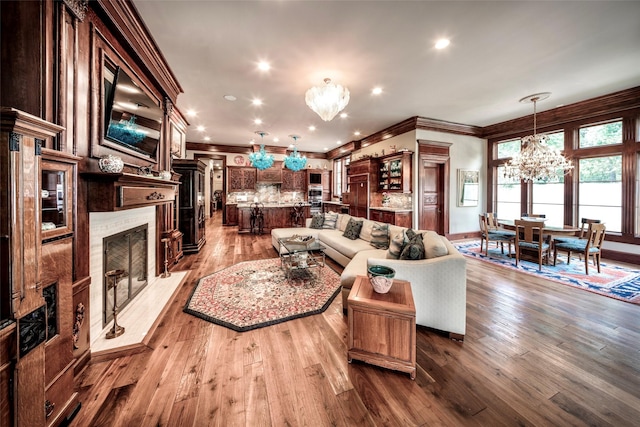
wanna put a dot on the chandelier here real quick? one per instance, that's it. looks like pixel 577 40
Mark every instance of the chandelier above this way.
pixel 536 160
pixel 294 161
pixel 327 100
pixel 261 160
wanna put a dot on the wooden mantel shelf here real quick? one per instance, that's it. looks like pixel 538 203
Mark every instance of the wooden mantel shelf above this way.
pixel 108 192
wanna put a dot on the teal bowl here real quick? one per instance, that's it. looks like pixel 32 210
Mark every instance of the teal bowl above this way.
pixel 381 278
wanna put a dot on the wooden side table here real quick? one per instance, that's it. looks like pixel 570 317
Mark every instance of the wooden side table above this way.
pixel 382 327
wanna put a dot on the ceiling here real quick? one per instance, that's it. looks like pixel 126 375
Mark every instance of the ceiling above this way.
pixel 500 52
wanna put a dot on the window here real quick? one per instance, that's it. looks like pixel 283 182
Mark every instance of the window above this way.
pixel 548 196
pixel 337 177
pixel 508 148
pixel 507 196
pixel 601 134
pixel 600 190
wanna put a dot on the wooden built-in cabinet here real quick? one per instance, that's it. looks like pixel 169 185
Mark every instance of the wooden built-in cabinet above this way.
pixel 241 178
pixel 191 203
pixel 402 219
pixel 294 180
pixel 231 214
pixel 274 217
pixel 394 172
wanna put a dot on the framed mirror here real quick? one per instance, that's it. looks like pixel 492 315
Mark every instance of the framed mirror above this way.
pixel 468 187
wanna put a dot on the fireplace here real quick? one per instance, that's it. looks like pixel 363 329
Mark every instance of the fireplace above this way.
pixel 126 251
pixel 122 230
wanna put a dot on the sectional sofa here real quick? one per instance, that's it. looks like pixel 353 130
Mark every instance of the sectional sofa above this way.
pixel 438 282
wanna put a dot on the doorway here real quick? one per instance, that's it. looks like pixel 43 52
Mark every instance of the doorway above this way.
pixel 433 186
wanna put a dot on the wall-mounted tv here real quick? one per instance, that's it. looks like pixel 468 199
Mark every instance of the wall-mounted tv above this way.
pixel 132 119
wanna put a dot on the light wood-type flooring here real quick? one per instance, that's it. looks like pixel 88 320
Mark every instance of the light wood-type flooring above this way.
pixel 536 353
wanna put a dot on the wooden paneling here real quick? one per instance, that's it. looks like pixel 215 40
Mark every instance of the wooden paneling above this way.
pixel 241 178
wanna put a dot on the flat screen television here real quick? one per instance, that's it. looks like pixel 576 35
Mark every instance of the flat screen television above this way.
pixel 132 119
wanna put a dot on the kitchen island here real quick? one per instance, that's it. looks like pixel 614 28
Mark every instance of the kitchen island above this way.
pixel 276 215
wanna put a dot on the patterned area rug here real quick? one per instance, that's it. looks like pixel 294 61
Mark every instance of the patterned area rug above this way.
pixel 254 294
pixel 613 281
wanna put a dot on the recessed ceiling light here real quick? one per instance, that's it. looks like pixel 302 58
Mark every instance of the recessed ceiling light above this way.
pixel 264 66
pixel 338 142
pixel 276 139
pixel 357 133
pixel 344 115
pixel 256 101
pixel 312 128
pixel 192 113
pixel 206 138
pixel 252 142
pixel 258 121
pixel 200 128
pixel 230 97
pixel 376 90
pixel 442 43
pixel 291 145
pixel 326 148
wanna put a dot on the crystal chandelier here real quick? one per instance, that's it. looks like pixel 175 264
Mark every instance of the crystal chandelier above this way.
pixel 536 160
pixel 327 100
pixel 294 161
pixel 261 160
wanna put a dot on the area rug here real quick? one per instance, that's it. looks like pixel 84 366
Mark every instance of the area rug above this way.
pixel 254 294
pixel 613 281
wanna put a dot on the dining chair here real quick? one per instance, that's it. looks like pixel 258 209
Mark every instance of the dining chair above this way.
pixel 591 247
pixel 584 226
pixel 493 235
pixel 530 238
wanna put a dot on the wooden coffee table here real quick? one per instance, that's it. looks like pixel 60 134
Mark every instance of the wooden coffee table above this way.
pixel 382 327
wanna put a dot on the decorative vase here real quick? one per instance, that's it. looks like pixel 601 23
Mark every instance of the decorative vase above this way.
pixel 111 164
pixel 165 175
pixel 381 278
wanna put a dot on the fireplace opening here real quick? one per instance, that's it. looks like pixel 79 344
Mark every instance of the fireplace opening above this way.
pixel 127 251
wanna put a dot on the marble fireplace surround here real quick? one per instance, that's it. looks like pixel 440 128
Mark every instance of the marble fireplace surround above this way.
pixel 139 315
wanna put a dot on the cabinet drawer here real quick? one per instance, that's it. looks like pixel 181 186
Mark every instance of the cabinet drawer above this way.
pixel 132 196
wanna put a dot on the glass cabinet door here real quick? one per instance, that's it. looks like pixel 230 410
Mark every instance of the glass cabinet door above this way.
pixel 56 190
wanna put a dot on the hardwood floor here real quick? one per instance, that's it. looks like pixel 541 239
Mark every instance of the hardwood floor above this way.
pixel 536 353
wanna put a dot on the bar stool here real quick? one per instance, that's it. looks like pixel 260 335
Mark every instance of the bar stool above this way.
pixel 297 214
pixel 257 218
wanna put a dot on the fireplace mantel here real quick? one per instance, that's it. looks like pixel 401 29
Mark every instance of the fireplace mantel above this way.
pixel 109 192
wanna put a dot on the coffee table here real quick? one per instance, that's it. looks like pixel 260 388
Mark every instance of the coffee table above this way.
pixel 301 256
pixel 382 327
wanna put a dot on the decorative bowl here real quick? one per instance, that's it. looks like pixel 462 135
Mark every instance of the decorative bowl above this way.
pixel 111 164
pixel 381 278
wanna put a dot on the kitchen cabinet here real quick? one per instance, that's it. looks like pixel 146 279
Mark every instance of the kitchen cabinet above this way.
pixel 359 195
pixel 394 172
pixel 326 185
pixel 401 219
pixel 274 217
pixel 294 180
pixel 241 178
pixel 231 214
pixel 192 209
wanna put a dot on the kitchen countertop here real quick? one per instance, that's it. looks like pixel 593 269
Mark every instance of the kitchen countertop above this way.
pixel 381 208
pixel 269 205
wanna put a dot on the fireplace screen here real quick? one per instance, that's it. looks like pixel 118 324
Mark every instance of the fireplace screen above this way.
pixel 126 251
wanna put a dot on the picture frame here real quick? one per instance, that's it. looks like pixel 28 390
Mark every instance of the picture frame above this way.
pixel 177 143
pixel 468 187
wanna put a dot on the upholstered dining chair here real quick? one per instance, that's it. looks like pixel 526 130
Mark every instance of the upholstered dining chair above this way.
pixel 530 238
pixel 591 246
pixel 584 226
pixel 489 234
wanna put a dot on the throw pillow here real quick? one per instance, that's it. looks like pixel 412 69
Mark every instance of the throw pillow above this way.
pixel 353 229
pixel 414 249
pixel 396 245
pixel 330 219
pixel 380 236
pixel 433 245
pixel 317 220
pixel 367 228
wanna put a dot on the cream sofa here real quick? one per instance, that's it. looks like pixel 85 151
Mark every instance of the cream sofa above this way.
pixel 438 283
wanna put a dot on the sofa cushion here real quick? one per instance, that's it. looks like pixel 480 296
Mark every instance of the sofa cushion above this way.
pixel 352 231
pixel 358 266
pixel 367 227
pixel 379 236
pixel 341 244
pixel 414 248
pixel 433 245
pixel 330 219
pixel 343 220
pixel 396 244
pixel 317 220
